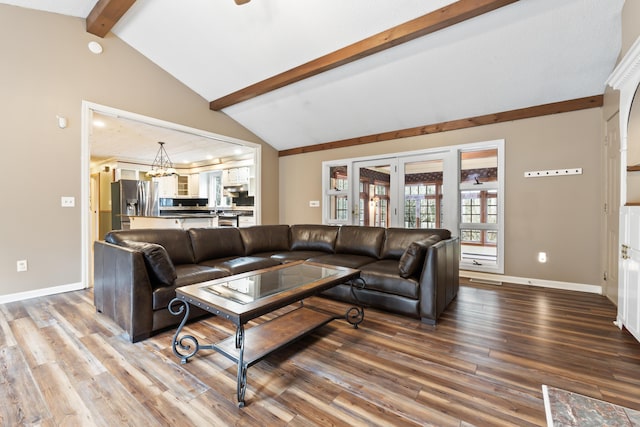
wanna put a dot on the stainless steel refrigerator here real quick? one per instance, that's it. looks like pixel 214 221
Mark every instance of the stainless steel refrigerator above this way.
pixel 132 198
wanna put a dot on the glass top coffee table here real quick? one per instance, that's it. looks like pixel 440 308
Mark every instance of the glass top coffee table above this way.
pixel 243 297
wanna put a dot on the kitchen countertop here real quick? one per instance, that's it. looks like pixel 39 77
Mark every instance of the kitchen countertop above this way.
pixel 176 216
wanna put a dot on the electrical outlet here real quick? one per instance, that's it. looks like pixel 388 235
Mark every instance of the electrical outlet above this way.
pixel 542 257
pixel 21 265
pixel 67 202
pixel 314 203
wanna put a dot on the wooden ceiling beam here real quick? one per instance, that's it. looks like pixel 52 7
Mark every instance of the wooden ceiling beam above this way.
pixel 489 119
pixel 105 15
pixel 431 22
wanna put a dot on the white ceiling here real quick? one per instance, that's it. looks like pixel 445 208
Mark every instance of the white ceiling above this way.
pixel 528 53
pixel 131 140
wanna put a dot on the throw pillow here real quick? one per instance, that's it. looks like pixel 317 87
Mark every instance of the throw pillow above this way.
pixel 157 260
pixel 412 259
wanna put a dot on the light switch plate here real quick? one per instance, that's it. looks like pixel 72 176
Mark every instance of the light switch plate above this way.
pixel 67 202
pixel 314 203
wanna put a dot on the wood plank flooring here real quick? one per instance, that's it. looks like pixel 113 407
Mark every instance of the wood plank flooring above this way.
pixel 61 363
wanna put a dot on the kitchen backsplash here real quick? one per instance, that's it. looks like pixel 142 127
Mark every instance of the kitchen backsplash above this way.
pixel 243 199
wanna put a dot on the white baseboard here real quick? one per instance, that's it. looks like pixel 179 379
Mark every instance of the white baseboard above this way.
pixel 41 292
pixel 499 278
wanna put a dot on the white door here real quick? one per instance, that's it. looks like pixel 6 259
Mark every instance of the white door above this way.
pixel 629 299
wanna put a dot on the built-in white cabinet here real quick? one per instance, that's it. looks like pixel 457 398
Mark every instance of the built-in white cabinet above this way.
pixel 121 173
pixel 167 186
pixel 194 185
pixel 236 176
pixel 177 186
pixel 246 221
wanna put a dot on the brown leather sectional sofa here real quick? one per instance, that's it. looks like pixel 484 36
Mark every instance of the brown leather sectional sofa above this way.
pixel 413 272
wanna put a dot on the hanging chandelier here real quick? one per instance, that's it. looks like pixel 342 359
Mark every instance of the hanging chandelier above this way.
pixel 162 165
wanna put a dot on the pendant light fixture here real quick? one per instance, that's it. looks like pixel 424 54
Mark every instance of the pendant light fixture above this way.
pixel 162 165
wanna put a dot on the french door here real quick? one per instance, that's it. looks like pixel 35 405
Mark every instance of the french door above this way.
pixel 460 188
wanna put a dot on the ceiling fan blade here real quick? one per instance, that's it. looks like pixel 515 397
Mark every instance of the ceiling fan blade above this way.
pixel 238 2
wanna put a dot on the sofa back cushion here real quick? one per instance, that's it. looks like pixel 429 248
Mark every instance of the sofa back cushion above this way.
pixel 175 242
pixel 397 240
pixel 313 237
pixel 356 240
pixel 265 238
pixel 214 243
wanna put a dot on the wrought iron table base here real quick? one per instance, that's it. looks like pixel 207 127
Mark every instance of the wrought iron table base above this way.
pixel 186 346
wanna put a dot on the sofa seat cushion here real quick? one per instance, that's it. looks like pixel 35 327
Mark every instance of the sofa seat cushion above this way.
pixel 344 260
pixel 188 274
pixel 379 300
pixel 297 255
pixel 244 263
pixel 383 276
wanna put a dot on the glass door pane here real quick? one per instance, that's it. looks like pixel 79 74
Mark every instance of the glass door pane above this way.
pixel 423 194
pixel 374 205
pixel 479 213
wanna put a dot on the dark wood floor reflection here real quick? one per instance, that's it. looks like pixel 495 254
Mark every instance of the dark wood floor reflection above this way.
pixel 484 364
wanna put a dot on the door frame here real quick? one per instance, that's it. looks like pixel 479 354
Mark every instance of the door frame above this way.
pixel 612 198
pixel 87 110
pixel 626 79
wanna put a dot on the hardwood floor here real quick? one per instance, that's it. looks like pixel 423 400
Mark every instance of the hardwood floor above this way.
pixel 484 365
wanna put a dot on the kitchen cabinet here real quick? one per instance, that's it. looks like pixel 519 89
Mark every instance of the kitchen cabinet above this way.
pixel 167 186
pixel 252 187
pixel 194 185
pixel 183 185
pixel 121 173
pixel 173 186
pixel 236 176
pixel 246 221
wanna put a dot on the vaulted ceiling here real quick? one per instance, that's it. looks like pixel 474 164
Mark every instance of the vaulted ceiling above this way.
pixel 300 73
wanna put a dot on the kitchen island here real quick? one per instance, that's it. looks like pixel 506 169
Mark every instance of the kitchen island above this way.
pixel 180 221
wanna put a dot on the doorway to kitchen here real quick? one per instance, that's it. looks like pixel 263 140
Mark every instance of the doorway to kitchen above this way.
pixel 92 180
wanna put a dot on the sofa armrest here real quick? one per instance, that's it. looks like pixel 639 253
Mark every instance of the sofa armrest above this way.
pixel 439 280
pixel 122 289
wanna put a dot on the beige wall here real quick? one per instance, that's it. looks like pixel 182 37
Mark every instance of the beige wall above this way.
pixel 630 27
pixel 558 215
pixel 47 70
